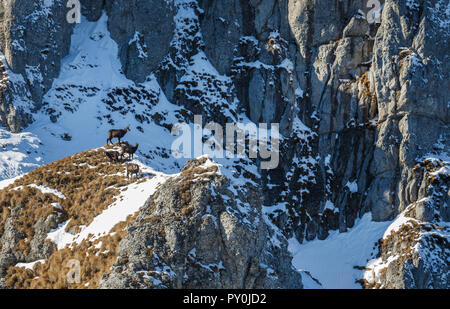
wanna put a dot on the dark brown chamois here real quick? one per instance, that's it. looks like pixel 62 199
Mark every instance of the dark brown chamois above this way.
pixel 113 156
pixel 130 150
pixel 116 134
pixel 132 169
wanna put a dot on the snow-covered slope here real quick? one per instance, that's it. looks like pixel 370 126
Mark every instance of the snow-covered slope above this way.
pixel 338 262
pixel 80 104
pixel 92 95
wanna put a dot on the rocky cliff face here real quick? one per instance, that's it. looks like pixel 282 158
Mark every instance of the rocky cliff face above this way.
pixel 35 36
pixel 198 231
pixel 413 251
pixel 361 106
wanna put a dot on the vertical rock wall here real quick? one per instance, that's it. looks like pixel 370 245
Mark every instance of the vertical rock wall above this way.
pixel 35 36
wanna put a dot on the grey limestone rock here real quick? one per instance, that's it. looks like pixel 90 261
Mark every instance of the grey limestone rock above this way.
pixel 192 234
pixel 35 56
pixel 143 30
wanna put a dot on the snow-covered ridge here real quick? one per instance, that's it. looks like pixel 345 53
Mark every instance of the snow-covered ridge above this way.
pixel 130 200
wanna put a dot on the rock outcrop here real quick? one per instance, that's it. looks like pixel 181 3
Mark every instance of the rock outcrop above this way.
pixel 143 30
pixel 414 252
pixel 197 231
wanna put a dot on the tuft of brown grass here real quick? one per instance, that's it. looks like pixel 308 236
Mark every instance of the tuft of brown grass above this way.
pixel 364 81
pixel 403 55
pixel 189 176
pixel 25 207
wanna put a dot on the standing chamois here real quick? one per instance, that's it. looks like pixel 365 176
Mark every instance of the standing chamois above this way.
pixel 130 150
pixel 116 134
pixel 132 169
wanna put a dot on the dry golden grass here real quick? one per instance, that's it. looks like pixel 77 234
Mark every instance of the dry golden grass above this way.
pixel 364 81
pixel 94 262
pixel 407 235
pixel 29 205
pixel 198 173
pixel 87 179
pixel 428 167
pixel 90 184
pixel 404 239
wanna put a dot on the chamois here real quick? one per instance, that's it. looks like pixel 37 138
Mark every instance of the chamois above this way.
pixel 113 156
pixel 116 134
pixel 132 169
pixel 130 150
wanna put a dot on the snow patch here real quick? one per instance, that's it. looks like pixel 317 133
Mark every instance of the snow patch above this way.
pixel 46 190
pixel 352 186
pixel 331 261
pixel 30 265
